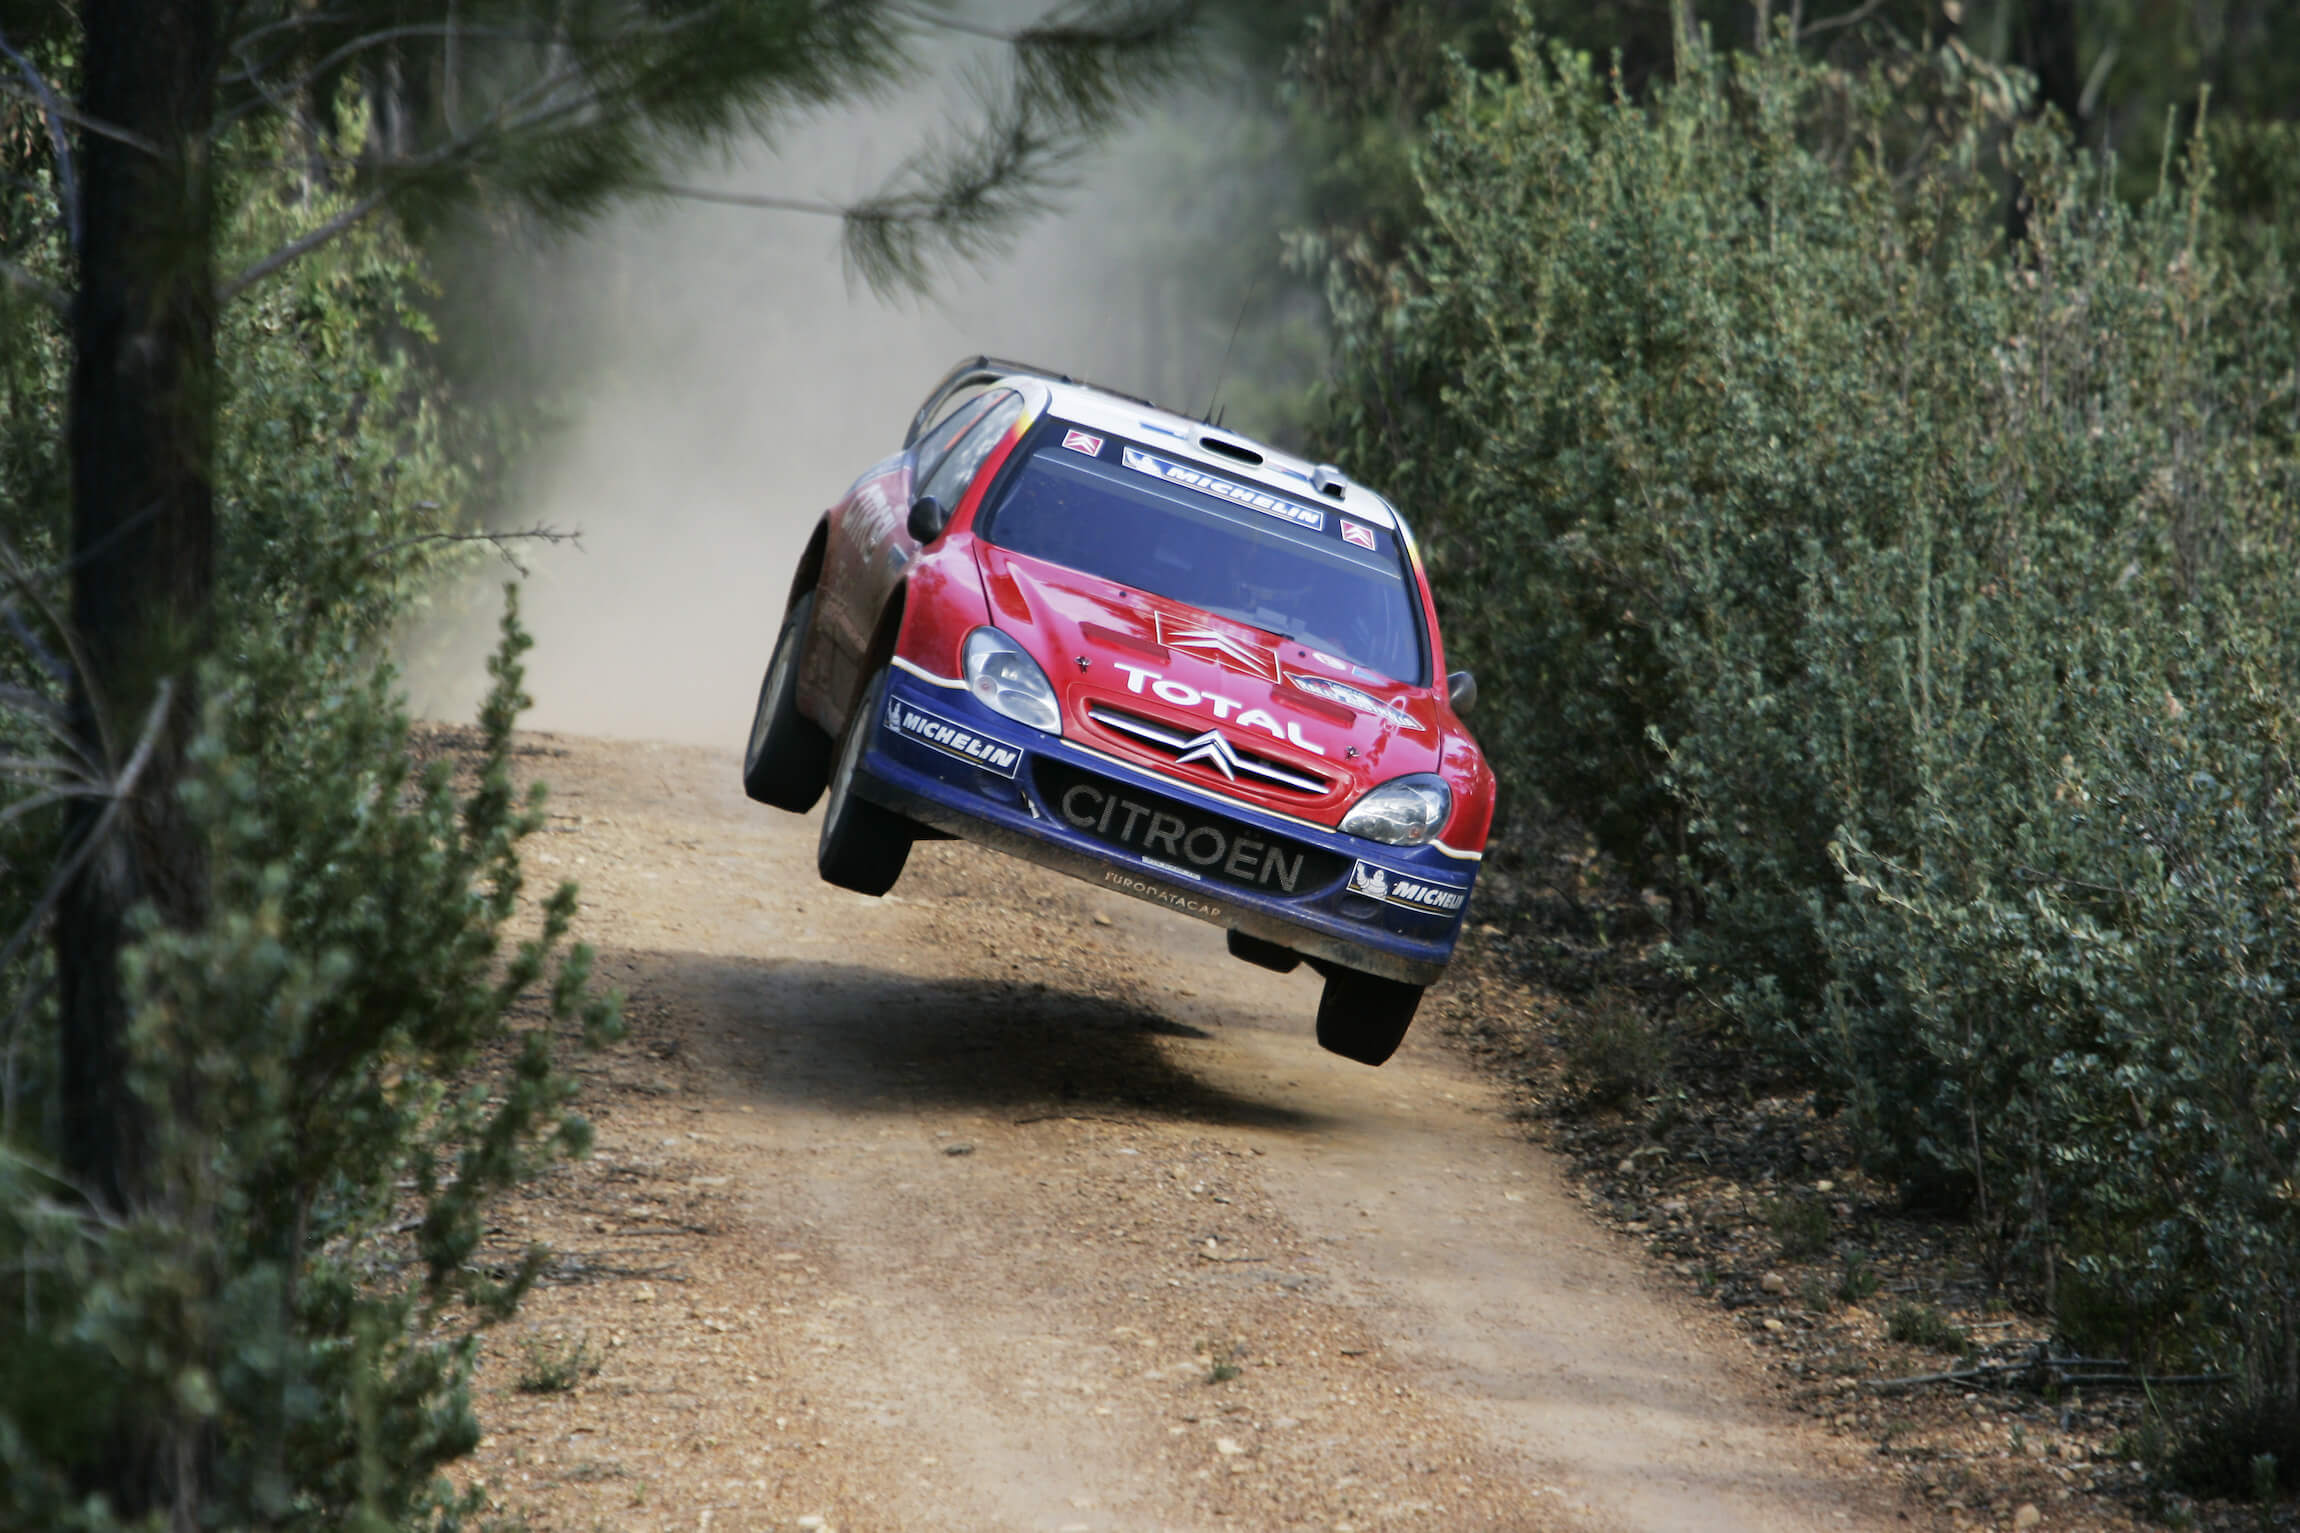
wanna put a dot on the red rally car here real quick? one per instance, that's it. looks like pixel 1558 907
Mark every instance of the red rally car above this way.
pixel 1147 652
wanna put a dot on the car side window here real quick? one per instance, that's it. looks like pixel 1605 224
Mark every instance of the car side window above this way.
pixel 956 400
pixel 949 479
pixel 936 442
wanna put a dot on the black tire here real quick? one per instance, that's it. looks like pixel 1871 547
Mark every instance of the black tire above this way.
pixel 864 845
pixel 1364 1016
pixel 788 760
pixel 1269 955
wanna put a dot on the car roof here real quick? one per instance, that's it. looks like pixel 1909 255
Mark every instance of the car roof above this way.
pixel 1212 447
pixel 1216 448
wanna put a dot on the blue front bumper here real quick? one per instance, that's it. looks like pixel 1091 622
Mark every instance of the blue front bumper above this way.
pixel 941 758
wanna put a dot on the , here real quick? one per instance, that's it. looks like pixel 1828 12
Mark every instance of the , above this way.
pixel 1150 653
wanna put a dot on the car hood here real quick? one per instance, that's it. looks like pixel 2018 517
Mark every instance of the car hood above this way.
pixel 1147 680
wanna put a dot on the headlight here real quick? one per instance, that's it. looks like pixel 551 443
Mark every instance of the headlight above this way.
pixel 1406 811
pixel 1002 674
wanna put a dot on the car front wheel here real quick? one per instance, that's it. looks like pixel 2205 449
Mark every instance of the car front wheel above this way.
pixel 864 845
pixel 789 755
pixel 1364 1016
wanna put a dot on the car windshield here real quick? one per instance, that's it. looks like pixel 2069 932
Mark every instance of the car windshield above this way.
pixel 1187 533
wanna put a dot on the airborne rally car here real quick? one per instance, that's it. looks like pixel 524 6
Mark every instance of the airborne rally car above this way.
pixel 1149 653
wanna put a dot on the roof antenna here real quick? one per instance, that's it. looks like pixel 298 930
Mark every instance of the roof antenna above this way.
pixel 1221 373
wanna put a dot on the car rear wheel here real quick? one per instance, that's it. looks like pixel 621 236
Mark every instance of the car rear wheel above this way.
pixel 864 845
pixel 1364 1016
pixel 1268 955
pixel 789 756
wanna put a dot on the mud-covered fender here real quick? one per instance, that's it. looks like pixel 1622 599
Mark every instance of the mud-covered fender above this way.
pixel 849 596
pixel 809 574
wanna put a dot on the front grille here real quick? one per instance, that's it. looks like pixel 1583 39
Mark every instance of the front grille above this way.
pixel 1197 841
pixel 1221 753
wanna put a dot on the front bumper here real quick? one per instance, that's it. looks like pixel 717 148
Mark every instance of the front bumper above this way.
pixel 939 757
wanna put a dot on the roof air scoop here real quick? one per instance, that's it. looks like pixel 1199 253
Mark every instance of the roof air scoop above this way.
pixel 1237 451
pixel 1329 480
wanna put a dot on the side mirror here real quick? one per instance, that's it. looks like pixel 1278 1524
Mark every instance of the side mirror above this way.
pixel 1461 691
pixel 927 519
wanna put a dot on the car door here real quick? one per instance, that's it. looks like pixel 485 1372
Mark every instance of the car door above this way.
pixel 946 475
pixel 865 555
